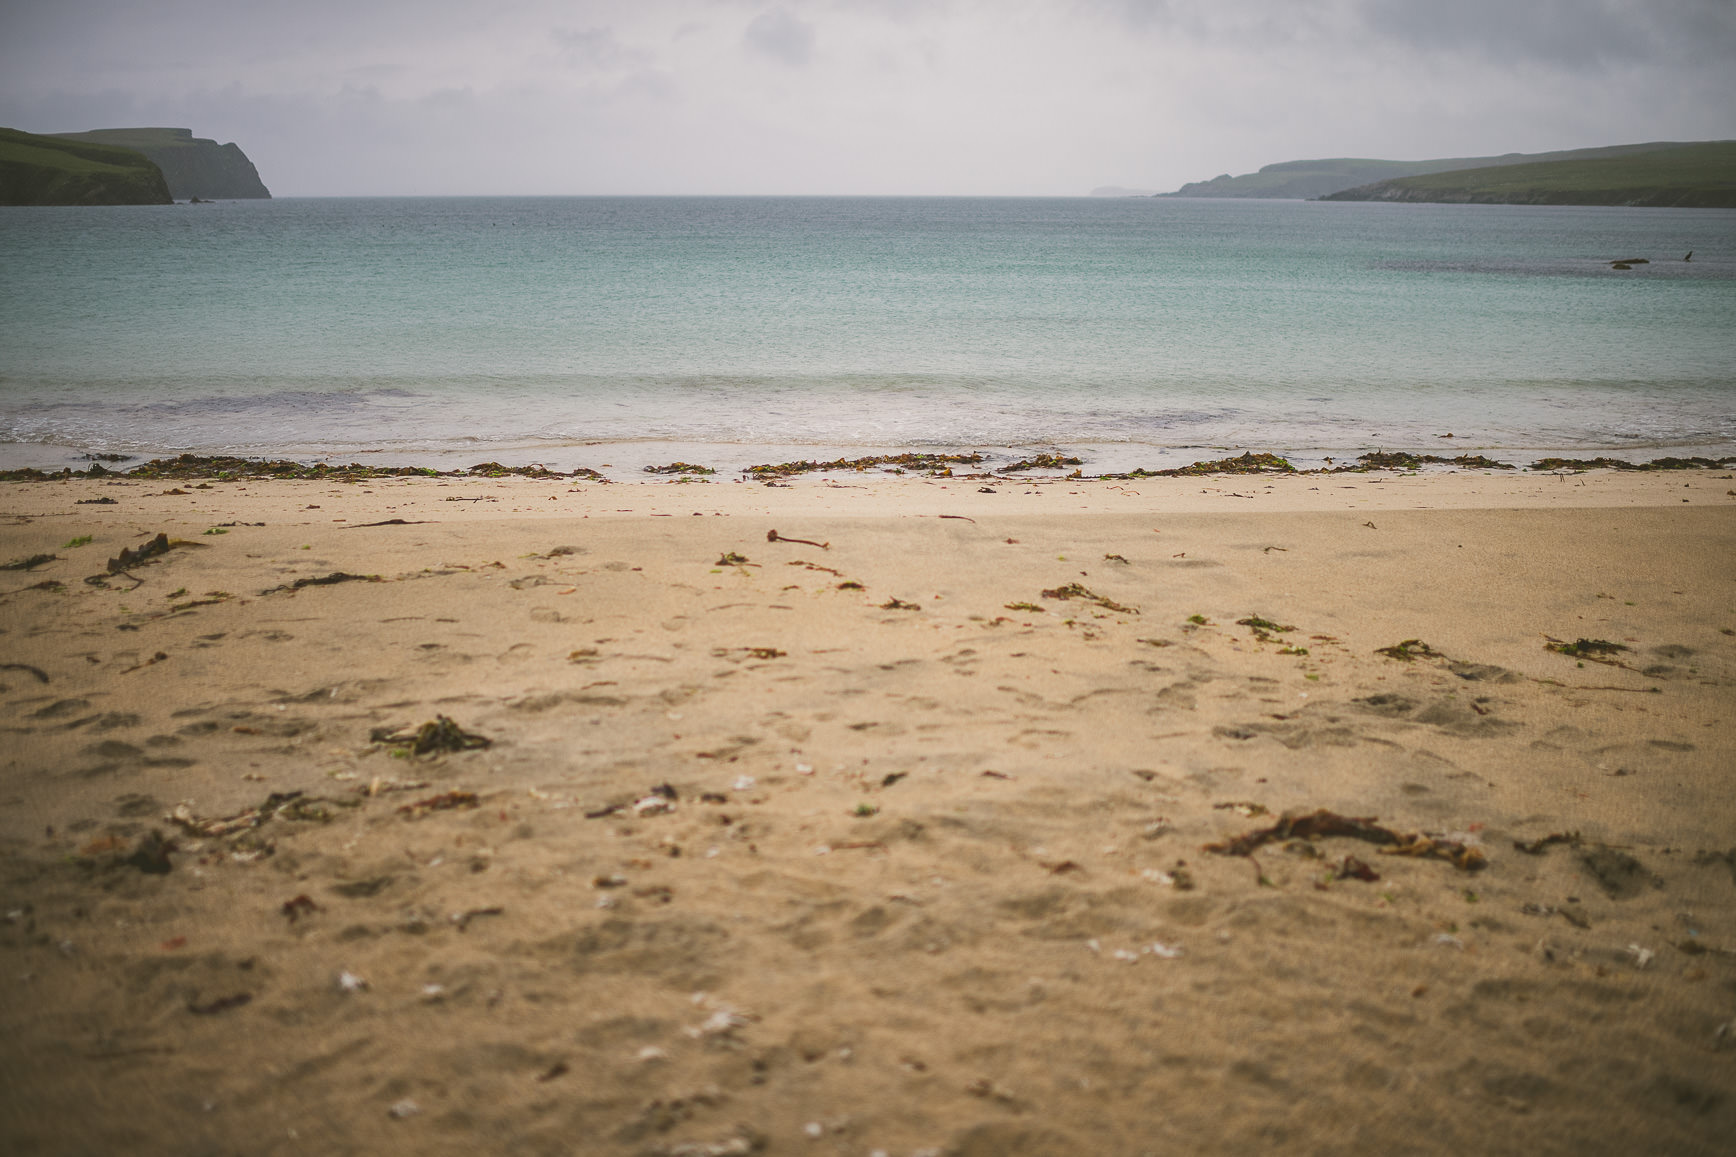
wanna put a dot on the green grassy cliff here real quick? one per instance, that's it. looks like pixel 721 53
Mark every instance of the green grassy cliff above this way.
pixel 1321 179
pixel 1701 175
pixel 39 170
pixel 193 166
pixel 1308 180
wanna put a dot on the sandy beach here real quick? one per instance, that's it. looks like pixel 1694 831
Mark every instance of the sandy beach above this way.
pixel 870 814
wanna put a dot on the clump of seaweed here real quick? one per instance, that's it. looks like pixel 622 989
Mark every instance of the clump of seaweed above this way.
pixel 30 562
pixel 1597 650
pixel 438 735
pixel 898 461
pixel 133 556
pixel 1403 460
pixel 1078 591
pixel 1620 464
pixel 496 470
pixel 1321 824
pixel 1264 629
pixel 326 580
pixel 1040 462
pixel 679 468
pixel 1249 463
pixel 227 468
pixel 1409 651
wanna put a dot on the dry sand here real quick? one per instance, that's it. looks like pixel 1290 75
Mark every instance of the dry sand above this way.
pixel 925 876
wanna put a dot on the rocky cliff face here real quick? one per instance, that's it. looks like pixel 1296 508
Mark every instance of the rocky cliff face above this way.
pixel 193 166
pixel 46 170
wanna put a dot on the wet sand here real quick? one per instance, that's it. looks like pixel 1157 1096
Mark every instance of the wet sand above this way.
pixel 759 860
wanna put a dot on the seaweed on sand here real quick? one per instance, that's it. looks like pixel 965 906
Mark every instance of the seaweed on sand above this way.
pixel 1322 824
pixel 897 461
pixel 1078 591
pixel 1403 460
pixel 1263 628
pixel 1409 651
pixel 679 468
pixel 1040 462
pixel 1597 650
pixel 1620 464
pixel 440 734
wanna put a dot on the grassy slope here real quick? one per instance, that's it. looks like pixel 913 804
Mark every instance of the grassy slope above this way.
pixel 193 166
pixel 1700 175
pixel 39 170
pixel 1320 178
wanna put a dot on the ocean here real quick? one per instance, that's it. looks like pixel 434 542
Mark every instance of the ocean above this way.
pixel 731 330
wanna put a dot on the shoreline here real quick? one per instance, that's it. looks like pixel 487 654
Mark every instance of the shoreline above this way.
pixel 867 812
pixel 977 463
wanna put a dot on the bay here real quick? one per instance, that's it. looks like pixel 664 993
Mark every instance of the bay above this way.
pixel 583 330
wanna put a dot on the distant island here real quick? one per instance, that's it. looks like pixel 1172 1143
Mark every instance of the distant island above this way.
pixel 146 166
pixel 1696 174
pixel 195 167
pixel 39 170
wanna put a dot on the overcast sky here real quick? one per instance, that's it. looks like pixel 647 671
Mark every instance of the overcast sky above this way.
pixel 333 97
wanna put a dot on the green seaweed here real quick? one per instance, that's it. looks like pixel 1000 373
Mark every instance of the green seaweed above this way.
pixel 1409 651
pixel 1263 628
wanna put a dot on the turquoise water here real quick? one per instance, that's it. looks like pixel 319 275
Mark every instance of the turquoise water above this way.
pixel 582 330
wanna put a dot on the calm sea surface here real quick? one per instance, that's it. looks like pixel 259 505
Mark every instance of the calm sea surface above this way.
pixel 578 331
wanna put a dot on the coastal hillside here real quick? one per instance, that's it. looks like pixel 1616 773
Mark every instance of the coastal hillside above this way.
pixel 193 166
pixel 1317 179
pixel 1691 176
pixel 42 170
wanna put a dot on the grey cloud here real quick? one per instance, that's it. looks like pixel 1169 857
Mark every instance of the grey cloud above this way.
pixel 597 48
pixel 1567 33
pixel 781 36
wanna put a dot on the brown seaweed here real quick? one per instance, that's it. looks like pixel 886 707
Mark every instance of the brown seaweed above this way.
pixel 1040 462
pixel 438 735
pixel 679 468
pixel 1536 847
pixel 1603 463
pixel 774 536
pixel 130 557
pixel 1078 591
pixel 445 801
pixel 1322 824
pixel 30 563
pixel 328 580
pixel 935 462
